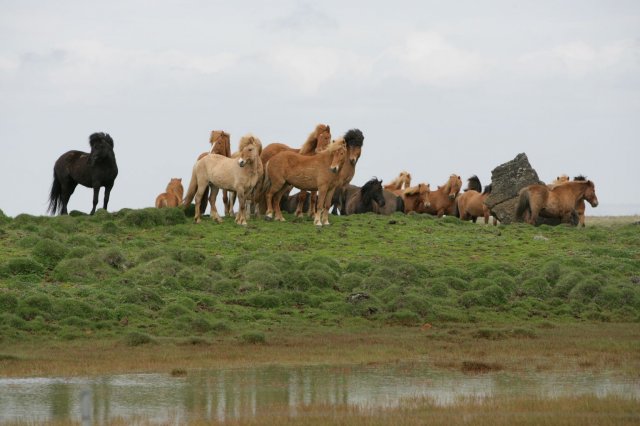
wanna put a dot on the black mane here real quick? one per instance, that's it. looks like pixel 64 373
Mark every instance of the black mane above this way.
pixel 354 137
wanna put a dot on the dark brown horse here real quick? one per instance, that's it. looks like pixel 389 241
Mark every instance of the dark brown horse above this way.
pixel 559 202
pixel 392 203
pixel 366 198
pixel 93 170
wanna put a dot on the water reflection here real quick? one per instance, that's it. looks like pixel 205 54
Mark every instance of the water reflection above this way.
pixel 235 393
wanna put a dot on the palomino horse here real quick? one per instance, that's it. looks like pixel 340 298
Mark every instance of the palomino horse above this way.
pixel 240 175
pixel 93 170
pixel 560 202
pixel 363 200
pixel 399 184
pixel 307 172
pixel 220 144
pixel 232 195
pixel 172 197
pixel 416 198
pixel 442 200
pixel 470 204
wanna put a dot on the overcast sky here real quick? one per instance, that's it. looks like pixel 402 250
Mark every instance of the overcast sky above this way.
pixel 437 87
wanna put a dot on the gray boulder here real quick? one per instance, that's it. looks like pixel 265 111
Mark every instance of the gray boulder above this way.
pixel 507 180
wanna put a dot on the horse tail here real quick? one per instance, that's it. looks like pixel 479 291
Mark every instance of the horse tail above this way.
pixel 488 189
pixel 473 183
pixel 193 187
pixel 161 201
pixel 456 209
pixel 55 196
pixel 523 204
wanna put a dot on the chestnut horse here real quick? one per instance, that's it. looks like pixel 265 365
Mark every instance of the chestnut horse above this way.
pixel 470 204
pixel 416 198
pixel 559 202
pixel 399 184
pixel 354 140
pixel 240 175
pixel 442 200
pixel 580 207
pixel 307 172
pixel 172 197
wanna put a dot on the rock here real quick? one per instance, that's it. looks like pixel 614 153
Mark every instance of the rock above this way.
pixel 507 180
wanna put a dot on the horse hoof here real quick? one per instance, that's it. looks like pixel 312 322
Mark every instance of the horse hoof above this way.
pixel 268 218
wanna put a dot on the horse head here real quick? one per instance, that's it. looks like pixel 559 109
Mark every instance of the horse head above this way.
pixel 250 148
pixel 372 190
pixel 101 147
pixel 220 143
pixel 455 184
pixel 590 194
pixel 424 189
pixel 405 179
pixel 323 136
pixel 354 140
pixel 338 149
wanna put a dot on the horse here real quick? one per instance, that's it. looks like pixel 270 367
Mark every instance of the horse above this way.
pixel 580 207
pixel 307 172
pixel 290 203
pixel 362 201
pixel 392 203
pixel 220 144
pixel 354 140
pixel 442 200
pixel 559 202
pixel 400 183
pixel 232 195
pixel 416 198
pixel 240 175
pixel 172 197
pixel 317 141
pixel 470 204
pixel 93 170
pixel 558 181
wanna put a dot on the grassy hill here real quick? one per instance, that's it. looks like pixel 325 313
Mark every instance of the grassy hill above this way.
pixel 140 274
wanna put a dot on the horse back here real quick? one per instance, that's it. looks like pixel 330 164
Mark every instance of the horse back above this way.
pixel 74 165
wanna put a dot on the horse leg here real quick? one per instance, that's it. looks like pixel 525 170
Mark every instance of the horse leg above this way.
pixel 212 202
pixel 326 206
pixel 313 203
pixel 107 192
pixel 225 201
pixel 322 195
pixel 276 203
pixel 232 201
pixel 96 195
pixel 199 196
pixel 67 189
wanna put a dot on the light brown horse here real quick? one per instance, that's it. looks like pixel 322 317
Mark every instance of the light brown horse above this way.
pixel 442 200
pixel 560 202
pixel 172 197
pixel 220 144
pixel 470 204
pixel 354 140
pixel 232 195
pixel 240 175
pixel 399 184
pixel 318 172
pixel 416 198
pixel 580 207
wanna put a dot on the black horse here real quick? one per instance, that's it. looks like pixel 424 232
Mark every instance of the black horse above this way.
pixel 93 170
pixel 362 201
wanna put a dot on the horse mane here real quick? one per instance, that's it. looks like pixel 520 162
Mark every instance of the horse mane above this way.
pixel 473 183
pixel 367 186
pixel 354 137
pixel 580 178
pixel 311 143
pixel 414 189
pixel 250 139
pixel 221 134
pixel 488 189
pixel 399 180
pixel 100 136
pixel 336 144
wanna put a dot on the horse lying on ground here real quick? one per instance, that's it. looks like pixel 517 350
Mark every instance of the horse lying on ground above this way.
pixel 172 197
pixel 442 200
pixel 392 203
pixel 364 200
pixel 93 170
pixel 470 204
pixel 240 175
pixel 307 172
pixel 416 198
pixel 560 202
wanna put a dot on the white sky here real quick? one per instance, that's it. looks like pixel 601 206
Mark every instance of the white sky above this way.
pixel 437 87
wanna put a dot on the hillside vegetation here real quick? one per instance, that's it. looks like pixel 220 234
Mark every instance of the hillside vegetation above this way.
pixel 142 274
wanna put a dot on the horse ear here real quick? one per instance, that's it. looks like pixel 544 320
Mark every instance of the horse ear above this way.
pixel 109 140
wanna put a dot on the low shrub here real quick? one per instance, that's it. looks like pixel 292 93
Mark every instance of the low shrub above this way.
pixel 8 302
pixel 403 317
pixel 49 252
pixel 534 287
pixel 73 270
pixel 253 338
pixel 295 280
pixel 585 291
pixel 21 266
pixel 136 338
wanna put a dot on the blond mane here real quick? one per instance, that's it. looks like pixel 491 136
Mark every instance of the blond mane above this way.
pixel 311 144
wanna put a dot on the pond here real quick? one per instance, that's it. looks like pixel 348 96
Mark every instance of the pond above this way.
pixel 255 392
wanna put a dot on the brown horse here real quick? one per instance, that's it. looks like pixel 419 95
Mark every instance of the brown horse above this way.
pixel 172 197
pixel 364 199
pixel 442 200
pixel 416 198
pixel 318 172
pixel 354 140
pixel 392 203
pixel 580 207
pixel 232 195
pixel 240 175
pixel 470 204
pixel 317 141
pixel 560 202
pixel 399 184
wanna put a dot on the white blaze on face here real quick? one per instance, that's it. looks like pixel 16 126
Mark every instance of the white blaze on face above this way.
pixel 241 162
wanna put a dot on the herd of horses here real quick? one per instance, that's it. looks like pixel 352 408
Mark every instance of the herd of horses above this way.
pixel 321 169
